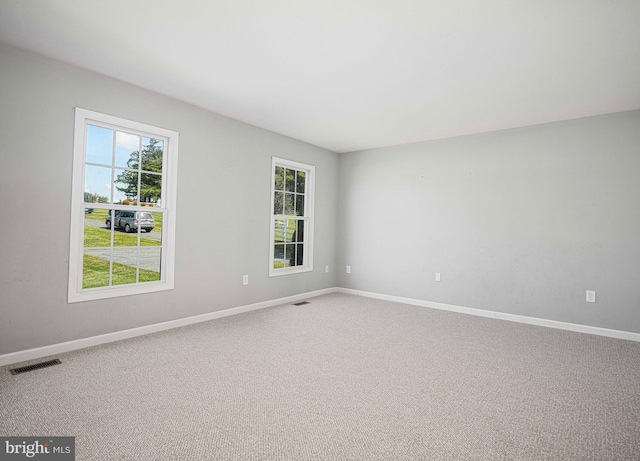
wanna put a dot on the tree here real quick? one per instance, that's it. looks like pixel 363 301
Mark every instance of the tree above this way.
pixel 91 197
pixel 150 184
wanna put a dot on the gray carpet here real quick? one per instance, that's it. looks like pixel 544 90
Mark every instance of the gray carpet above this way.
pixel 341 378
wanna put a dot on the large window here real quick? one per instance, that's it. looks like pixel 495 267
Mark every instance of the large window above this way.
pixel 123 207
pixel 291 217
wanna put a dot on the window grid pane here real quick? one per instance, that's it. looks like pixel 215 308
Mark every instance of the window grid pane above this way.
pixel 121 168
pixel 290 180
pixel 127 150
pixel 289 216
pixel 279 179
pixel 290 255
pixel 289 204
pixel 300 182
pixel 99 148
pixel 152 154
pixel 299 254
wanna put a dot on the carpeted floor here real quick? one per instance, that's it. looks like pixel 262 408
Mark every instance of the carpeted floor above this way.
pixel 341 378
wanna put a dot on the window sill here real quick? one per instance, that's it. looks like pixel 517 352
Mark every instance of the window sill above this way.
pixel 91 294
pixel 289 271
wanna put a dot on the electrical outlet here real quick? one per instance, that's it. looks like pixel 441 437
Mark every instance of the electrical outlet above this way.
pixel 591 296
pixel 437 276
pixel 245 280
pixel 326 269
pixel 348 269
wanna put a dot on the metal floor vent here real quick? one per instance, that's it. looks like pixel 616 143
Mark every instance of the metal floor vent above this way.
pixel 301 303
pixel 35 366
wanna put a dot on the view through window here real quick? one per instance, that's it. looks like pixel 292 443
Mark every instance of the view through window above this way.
pixel 124 183
pixel 292 217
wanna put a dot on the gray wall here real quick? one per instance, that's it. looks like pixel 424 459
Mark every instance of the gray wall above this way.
pixel 520 221
pixel 223 206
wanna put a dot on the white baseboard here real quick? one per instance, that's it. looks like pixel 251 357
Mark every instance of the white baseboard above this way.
pixel 39 352
pixel 500 315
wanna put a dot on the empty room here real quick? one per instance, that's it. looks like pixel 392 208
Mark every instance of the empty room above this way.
pixel 243 230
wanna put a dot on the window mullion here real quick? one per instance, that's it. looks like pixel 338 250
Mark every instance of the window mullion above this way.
pixel 299 219
pixel 100 155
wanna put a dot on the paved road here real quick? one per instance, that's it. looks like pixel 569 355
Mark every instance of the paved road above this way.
pixel 149 257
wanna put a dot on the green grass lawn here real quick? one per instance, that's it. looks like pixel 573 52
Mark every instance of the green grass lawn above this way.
pixel 95 273
pixel 98 237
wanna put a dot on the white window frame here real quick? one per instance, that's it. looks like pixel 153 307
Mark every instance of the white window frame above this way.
pixel 308 217
pixel 83 118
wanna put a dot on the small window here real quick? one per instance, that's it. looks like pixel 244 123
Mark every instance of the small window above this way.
pixel 291 227
pixel 123 207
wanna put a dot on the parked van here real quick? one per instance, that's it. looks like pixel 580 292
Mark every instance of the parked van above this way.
pixel 131 220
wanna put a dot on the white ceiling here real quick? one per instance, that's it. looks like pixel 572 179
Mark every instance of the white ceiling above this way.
pixel 354 74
